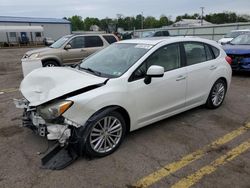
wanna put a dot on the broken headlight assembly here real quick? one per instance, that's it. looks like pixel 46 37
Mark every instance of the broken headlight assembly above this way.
pixel 54 110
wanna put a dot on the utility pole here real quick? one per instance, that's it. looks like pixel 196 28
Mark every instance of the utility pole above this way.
pixel 202 13
pixel 141 20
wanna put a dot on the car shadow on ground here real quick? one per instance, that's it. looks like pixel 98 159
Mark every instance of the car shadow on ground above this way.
pixel 241 74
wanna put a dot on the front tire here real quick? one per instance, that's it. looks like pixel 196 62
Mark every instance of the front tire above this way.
pixel 217 94
pixel 106 135
pixel 50 64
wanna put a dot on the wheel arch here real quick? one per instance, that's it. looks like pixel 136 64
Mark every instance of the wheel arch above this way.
pixel 52 59
pixel 225 80
pixel 118 109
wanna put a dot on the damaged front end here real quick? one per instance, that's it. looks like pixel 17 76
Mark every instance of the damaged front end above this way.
pixel 47 121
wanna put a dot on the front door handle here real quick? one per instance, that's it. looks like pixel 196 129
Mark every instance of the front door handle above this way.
pixel 181 77
pixel 213 67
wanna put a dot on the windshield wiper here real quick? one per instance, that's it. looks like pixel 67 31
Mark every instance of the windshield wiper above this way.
pixel 91 70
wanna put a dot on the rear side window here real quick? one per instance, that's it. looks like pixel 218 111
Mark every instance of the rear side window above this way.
pixel 110 38
pixel 158 33
pixel 165 33
pixel 209 53
pixel 93 41
pixel 195 53
pixel 215 51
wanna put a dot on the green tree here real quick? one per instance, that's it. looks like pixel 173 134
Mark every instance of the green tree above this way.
pixel 77 23
pixel 88 22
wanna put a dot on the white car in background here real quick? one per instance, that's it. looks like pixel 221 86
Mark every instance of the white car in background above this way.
pixel 128 85
pixel 231 35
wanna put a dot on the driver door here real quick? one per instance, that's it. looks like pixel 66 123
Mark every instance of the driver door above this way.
pixel 77 52
pixel 163 96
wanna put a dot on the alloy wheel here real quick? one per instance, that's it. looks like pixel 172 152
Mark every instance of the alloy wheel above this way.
pixel 218 94
pixel 106 134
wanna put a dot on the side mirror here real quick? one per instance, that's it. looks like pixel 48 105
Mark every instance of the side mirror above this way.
pixel 67 47
pixel 153 71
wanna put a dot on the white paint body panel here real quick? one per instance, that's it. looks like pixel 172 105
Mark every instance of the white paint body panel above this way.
pixel 28 65
pixel 178 90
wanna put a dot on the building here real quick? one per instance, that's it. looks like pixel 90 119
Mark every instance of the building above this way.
pixel 28 30
pixel 191 23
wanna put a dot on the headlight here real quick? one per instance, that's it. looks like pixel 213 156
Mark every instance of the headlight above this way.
pixel 33 56
pixel 54 110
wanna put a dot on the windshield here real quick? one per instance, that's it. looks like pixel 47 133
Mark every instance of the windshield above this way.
pixel 234 34
pixel 241 40
pixel 59 42
pixel 114 60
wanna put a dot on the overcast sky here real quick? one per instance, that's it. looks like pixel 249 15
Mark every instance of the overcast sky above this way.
pixel 110 8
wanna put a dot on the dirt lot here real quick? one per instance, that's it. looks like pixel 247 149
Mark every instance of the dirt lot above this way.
pixel 144 151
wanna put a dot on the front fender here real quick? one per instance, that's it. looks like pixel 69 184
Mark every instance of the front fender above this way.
pixel 54 58
pixel 87 104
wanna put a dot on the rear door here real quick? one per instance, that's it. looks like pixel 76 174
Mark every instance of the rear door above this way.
pixel 200 63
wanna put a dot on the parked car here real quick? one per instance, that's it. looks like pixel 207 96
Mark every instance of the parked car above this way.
pixel 239 50
pixel 231 35
pixel 126 86
pixel 160 33
pixel 67 50
pixel 47 41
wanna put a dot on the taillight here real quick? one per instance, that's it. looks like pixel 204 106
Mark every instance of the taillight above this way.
pixel 229 60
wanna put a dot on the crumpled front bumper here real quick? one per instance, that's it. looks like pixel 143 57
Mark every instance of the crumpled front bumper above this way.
pixel 62 154
pixel 57 130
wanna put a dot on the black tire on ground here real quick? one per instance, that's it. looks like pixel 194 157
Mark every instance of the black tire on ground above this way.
pixel 88 147
pixel 50 64
pixel 216 98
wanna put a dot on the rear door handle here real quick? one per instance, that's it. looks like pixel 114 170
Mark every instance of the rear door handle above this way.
pixel 213 67
pixel 181 77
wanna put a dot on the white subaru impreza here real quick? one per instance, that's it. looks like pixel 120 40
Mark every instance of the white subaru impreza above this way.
pixel 129 85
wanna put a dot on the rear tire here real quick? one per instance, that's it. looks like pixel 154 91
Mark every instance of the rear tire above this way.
pixel 50 64
pixel 217 94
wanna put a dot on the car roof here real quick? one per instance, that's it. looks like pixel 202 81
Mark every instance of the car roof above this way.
pixel 91 34
pixel 156 40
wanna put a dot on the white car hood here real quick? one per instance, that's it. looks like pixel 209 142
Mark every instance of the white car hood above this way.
pixel 45 84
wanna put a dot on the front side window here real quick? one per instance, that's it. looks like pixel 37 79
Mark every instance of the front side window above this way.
pixel 77 42
pixel 168 57
pixel 195 53
pixel 93 41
